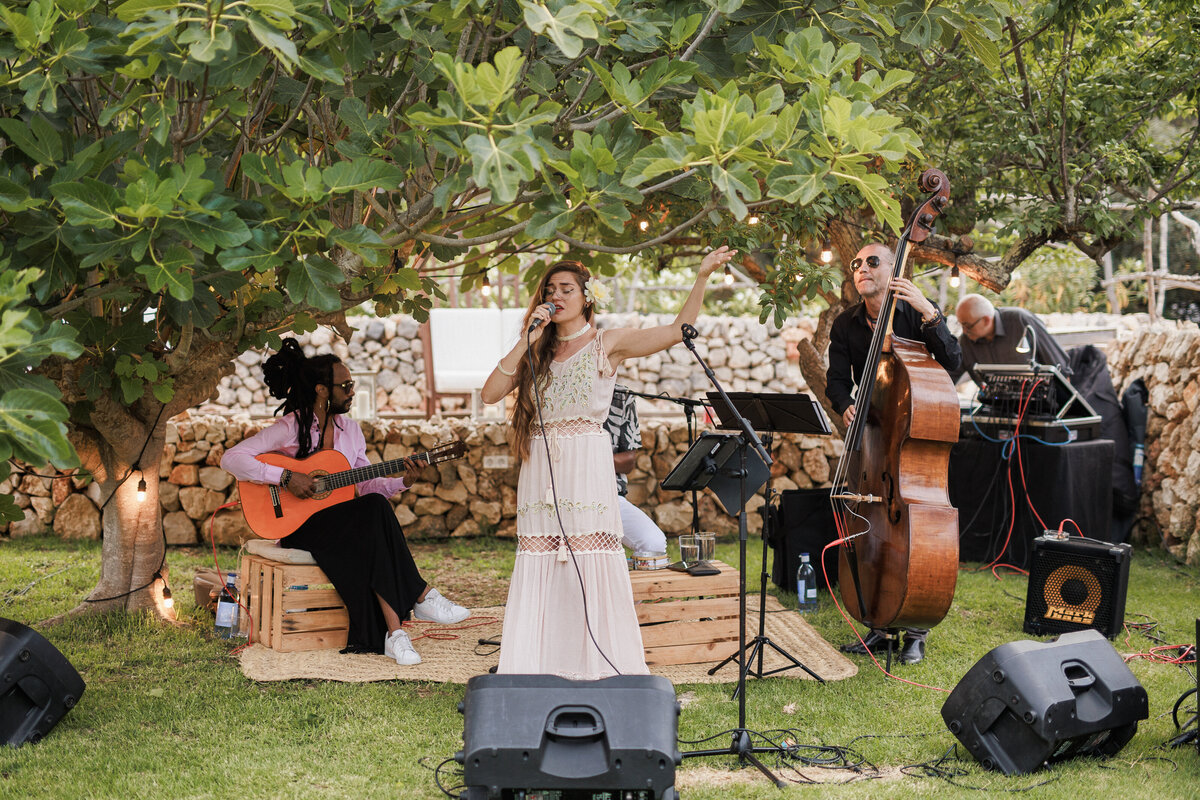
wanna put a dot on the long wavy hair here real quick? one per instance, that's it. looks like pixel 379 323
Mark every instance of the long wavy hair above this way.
pixel 524 413
pixel 293 378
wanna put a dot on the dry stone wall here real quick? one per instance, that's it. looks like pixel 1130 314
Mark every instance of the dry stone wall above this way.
pixel 1167 358
pixel 471 496
pixel 746 356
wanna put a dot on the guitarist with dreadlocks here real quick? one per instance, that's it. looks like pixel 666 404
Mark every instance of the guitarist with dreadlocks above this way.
pixel 357 543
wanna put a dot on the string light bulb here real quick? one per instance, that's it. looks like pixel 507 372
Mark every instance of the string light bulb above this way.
pixel 168 600
pixel 954 279
pixel 826 253
pixel 487 285
pixel 644 225
pixel 728 276
pixel 752 220
pixel 141 490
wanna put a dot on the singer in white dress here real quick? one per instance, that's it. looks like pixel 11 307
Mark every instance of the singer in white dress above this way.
pixel 570 605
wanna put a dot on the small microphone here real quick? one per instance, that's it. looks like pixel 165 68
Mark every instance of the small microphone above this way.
pixel 537 322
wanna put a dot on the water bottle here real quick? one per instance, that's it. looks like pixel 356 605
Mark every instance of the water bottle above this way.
pixel 1139 459
pixel 227 608
pixel 806 586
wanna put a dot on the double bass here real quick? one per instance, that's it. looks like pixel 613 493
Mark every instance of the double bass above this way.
pixel 898 533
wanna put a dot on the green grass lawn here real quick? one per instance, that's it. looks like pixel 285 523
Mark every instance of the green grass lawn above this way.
pixel 168 714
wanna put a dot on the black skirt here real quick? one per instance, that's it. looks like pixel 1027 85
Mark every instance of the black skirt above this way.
pixel 362 550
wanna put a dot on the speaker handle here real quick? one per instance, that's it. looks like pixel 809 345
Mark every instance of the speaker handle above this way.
pixel 1078 676
pixel 574 722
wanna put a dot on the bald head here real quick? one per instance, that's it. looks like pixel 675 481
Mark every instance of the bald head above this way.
pixel 977 316
pixel 872 272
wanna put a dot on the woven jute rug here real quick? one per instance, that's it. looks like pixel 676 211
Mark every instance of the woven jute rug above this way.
pixel 453 654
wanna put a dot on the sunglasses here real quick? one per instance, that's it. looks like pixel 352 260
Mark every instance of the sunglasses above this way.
pixel 345 386
pixel 870 261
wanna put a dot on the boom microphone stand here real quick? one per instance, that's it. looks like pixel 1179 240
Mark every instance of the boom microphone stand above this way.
pixel 740 744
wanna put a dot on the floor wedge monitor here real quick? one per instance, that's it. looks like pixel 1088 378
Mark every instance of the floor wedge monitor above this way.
pixel 1076 584
pixel 1028 704
pixel 541 736
pixel 37 685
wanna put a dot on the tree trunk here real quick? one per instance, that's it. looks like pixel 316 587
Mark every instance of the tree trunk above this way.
pixel 133 548
pixel 122 445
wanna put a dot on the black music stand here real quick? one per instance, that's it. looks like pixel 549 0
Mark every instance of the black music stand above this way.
pixel 704 466
pixel 768 413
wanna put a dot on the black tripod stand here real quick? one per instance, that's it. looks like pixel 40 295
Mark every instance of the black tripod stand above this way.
pixel 705 464
pixel 794 413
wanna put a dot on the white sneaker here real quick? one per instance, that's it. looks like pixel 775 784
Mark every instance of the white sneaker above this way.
pixel 435 608
pixel 397 645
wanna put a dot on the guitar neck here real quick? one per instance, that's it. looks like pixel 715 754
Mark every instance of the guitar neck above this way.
pixel 383 469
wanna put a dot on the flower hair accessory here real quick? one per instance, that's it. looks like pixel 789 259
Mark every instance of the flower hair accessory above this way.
pixel 596 292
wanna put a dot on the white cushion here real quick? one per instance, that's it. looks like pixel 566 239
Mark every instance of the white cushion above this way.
pixel 269 548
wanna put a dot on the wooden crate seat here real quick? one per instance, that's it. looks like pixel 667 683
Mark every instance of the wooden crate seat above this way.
pixel 293 607
pixel 686 619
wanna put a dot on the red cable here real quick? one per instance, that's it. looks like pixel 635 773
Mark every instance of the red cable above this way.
pixel 1020 460
pixel 444 634
pixel 841 540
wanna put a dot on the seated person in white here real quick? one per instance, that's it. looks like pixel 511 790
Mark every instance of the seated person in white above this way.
pixel 358 544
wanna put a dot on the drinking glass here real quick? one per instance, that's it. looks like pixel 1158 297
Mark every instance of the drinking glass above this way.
pixel 689 549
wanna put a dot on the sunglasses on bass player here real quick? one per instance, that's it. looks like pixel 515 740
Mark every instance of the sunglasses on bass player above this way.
pixel 870 261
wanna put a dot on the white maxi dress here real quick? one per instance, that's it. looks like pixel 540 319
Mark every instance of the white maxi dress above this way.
pixel 544 619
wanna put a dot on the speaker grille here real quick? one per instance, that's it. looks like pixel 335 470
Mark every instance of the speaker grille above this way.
pixel 1075 585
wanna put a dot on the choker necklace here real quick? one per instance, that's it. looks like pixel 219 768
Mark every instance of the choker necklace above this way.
pixel 587 326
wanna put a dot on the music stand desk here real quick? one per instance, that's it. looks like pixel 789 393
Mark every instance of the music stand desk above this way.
pixel 767 411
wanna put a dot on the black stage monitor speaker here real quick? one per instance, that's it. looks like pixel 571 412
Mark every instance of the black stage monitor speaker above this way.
pixel 37 684
pixel 1028 704
pixel 1076 584
pixel 541 737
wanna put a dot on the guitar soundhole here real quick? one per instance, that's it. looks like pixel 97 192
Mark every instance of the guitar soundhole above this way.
pixel 319 490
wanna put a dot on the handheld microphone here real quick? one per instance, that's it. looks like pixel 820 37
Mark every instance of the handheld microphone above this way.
pixel 537 322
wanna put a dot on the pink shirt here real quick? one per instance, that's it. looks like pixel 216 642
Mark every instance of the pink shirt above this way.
pixel 281 437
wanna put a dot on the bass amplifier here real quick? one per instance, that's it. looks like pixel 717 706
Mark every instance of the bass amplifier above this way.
pixel 1076 584
pixel 542 737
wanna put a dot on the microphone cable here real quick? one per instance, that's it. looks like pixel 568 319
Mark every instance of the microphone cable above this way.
pixel 554 495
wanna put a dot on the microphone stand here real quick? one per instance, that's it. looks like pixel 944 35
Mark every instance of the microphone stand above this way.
pixel 689 414
pixel 740 745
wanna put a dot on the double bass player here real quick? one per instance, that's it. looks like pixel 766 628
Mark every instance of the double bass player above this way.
pixel 915 318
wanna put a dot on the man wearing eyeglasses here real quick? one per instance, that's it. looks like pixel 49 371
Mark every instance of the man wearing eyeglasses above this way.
pixel 992 335
pixel 915 318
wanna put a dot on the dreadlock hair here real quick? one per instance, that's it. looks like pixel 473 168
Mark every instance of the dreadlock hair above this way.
pixel 524 414
pixel 293 378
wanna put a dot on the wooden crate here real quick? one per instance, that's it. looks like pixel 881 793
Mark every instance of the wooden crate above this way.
pixel 686 619
pixel 291 619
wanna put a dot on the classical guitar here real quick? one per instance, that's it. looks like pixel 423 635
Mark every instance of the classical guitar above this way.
pixel 273 512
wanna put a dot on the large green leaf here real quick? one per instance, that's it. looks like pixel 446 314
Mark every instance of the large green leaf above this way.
pixel 500 165
pixel 313 281
pixel 33 422
pixel 88 202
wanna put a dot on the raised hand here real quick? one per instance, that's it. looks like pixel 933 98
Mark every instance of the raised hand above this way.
pixel 715 260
